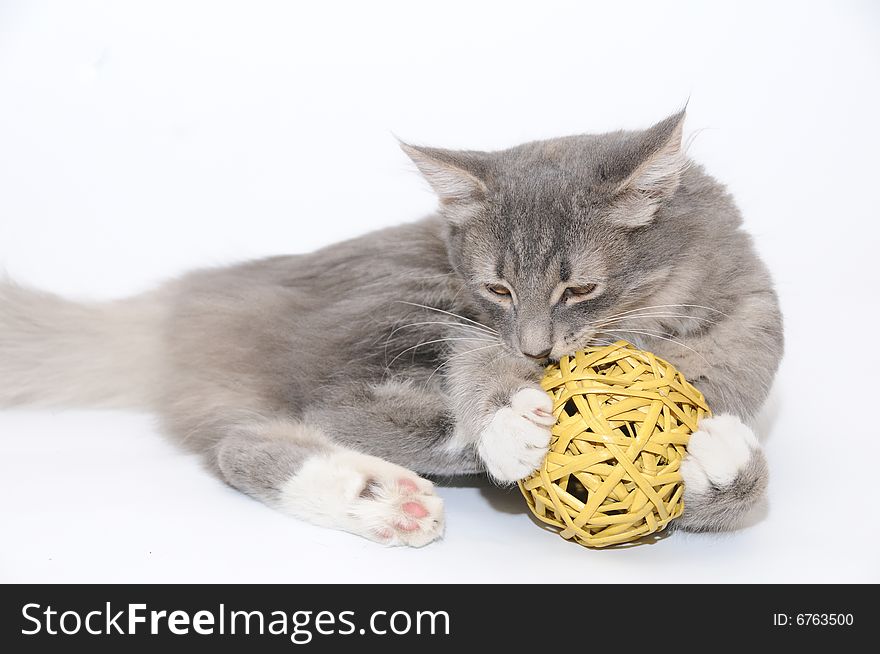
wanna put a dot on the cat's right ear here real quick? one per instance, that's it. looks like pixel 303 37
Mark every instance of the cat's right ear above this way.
pixel 456 177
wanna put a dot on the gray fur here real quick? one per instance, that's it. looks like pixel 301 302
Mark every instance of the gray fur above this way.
pixel 724 508
pixel 258 463
pixel 55 352
pixel 339 339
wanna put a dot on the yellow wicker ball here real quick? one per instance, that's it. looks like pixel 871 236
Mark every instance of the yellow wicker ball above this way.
pixel 623 419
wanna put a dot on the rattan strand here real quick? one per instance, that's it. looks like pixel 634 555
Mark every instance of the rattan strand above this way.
pixel 611 475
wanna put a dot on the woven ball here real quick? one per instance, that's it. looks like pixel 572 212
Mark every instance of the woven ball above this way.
pixel 623 419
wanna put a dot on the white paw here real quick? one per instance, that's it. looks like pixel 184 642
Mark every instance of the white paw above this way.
pixel 366 496
pixel 516 440
pixel 399 511
pixel 717 452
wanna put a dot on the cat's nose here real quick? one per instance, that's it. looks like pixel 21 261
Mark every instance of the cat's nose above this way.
pixel 539 356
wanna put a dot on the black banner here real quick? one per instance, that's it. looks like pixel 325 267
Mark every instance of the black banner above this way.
pixel 329 618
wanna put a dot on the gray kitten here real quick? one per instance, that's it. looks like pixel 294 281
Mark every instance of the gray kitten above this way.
pixel 324 384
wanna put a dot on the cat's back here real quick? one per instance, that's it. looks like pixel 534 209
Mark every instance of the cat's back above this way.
pixel 339 268
pixel 271 323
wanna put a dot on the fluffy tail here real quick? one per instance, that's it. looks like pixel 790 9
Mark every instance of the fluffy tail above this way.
pixel 58 353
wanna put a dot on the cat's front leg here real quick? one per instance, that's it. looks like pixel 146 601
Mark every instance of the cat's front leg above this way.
pixel 501 411
pixel 725 474
pixel 298 469
pixel 515 441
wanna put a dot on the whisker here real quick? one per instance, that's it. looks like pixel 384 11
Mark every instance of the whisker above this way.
pixel 670 306
pixel 448 313
pixel 460 325
pixel 635 313
pixel 665 338
pixel 437 322
pixel 436 340
pixel 455 356
pixel 602 342
pixel 682 316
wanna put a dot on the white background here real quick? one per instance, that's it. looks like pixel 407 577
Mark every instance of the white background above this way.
pixel 138 140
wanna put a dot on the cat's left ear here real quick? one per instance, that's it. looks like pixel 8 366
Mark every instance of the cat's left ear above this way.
pixel 456 177
pixel 659 162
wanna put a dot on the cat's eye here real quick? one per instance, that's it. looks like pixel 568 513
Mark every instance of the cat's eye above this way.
pixel 578 293
pixel 498 289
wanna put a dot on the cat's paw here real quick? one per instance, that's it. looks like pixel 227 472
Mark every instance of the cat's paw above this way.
pixel 400 511
pixel 717 452
pixel 515 442
pixel 367 496
pixel 724 473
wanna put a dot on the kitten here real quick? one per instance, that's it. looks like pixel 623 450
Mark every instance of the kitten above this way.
pixel 325 384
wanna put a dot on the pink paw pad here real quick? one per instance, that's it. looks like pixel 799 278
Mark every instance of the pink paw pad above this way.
pixel 408 485
pixel 414 509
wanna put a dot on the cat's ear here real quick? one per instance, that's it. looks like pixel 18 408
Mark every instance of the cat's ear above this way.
pixel 456 177
pixel 658 163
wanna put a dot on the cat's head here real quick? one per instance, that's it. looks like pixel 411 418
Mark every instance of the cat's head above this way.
pixel 553 238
